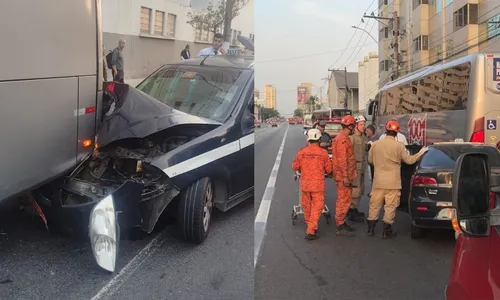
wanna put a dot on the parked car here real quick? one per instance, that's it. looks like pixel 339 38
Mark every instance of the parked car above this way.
pixel 430 191
pixel 475 271
pixel 182 142
pixel 274 124
pixel 333 128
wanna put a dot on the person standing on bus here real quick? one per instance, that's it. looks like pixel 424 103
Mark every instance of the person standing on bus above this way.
pixel 359 141
pixel 313 163
pixel 386 155
pixel 117 63
pixel 344 172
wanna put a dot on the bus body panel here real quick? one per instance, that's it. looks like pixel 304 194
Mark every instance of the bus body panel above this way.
pixel 52 62
pixel 477 97
pixel 38 132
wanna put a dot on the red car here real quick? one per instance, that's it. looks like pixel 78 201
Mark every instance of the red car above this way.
pixel 475 272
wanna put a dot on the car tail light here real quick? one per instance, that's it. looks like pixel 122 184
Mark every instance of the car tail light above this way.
pixel 423 180
pixel 493 198
pixel 478 131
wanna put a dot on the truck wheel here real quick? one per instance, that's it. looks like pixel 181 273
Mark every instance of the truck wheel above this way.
pixel 195 211
pixel 416 232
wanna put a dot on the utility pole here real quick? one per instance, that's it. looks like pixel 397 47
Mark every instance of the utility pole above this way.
pixel 396 45
pixel 395 21
pixel 227 20
pixel 346 96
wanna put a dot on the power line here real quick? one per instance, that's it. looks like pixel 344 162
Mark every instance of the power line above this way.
pixel 352 37
pixel 357 44
pixel 362 46
pixel 303 56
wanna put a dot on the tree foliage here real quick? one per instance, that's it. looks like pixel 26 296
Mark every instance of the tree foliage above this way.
pixel 269 113
pixel 298 113
pixel 313 103
pixel 212 18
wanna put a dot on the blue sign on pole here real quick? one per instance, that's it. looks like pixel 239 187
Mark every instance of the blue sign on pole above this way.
pixel 496 69
pixel 233 51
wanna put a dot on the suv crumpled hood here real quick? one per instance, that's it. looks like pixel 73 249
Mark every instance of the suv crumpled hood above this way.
pixel 130 113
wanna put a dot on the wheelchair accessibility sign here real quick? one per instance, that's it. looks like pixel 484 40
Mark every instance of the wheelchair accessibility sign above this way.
pixel 491 124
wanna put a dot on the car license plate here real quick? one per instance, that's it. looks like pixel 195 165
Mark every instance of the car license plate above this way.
pixel 444 204
pixel 445 214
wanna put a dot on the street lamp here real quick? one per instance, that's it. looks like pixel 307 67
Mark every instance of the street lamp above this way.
pixel 365 31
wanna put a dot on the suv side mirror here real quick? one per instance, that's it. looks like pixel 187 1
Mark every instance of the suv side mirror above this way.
pixel 471 195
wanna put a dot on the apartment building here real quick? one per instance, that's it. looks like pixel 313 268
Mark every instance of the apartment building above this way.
pixel 368 78
pixel 270 96
pixel 431 31
pixel 156 31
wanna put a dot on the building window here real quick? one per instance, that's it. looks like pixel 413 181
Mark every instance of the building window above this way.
pixel 171 22
pixel 385 65
pixel 145 19
pixel 493 27
pixel 384 33
pixel 466 15
pixel 159 20
pixel 438 6
pixel 448 2
pixel 449 48
pixel 382 2
pixel 416 3
pixel 421 43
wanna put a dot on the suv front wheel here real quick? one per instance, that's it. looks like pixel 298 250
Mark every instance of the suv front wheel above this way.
pixel 195 210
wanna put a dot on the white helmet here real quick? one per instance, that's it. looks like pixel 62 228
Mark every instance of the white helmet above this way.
pixel 313 134
pixel 360 118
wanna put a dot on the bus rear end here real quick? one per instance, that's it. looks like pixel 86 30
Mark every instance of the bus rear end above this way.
pixel 484 98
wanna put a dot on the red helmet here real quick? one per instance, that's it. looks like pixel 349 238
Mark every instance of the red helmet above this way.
pixel 348 120
pixel 392 125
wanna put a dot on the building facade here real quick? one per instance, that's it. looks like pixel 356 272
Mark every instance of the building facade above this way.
pixel 337 90
pixel 368 78
pixel 431 31
pixel 270 96
pixel 156 31
pixel 304 92
pixel 256 94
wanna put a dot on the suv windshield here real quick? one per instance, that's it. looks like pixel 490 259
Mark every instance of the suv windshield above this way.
pixel 446 156
pixel 204 91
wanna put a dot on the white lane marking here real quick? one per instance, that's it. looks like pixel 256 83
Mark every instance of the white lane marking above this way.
pixel 265 204
pixel 116 282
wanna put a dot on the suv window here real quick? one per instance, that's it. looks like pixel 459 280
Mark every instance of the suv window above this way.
pixel 203 91
pixel 446 156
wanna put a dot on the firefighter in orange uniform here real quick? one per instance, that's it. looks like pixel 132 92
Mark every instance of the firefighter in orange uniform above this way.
pixel 344 172
pixel 313 163
pixel 386 156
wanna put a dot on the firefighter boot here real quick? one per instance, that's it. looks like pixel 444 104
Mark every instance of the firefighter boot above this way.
pixel 359 213
pixel 371 227
pixel 345 230
pixel 311 237
pixel 388 233
pixel 354 216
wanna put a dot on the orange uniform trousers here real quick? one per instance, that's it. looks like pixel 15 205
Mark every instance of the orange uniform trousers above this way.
pixel 344 195
pixel 312 205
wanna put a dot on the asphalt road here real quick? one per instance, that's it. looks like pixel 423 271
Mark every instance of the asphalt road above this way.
pixel 339 267
pixel 37 265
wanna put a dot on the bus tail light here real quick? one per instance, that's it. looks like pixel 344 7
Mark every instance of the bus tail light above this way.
pixel 493 198
pixel 87 143
pixel 478 132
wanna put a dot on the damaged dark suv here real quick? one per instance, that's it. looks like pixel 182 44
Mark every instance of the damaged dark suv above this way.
pixel 183 139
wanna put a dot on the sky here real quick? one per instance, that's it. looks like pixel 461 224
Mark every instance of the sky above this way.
pixel 299 40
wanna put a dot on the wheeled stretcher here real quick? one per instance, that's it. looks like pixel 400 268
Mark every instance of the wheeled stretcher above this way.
pixel 297 209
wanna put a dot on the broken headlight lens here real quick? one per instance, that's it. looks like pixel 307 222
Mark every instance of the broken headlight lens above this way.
pixel 103 233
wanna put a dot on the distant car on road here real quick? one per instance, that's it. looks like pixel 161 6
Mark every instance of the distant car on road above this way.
pixel 430 201
pixel 274 124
